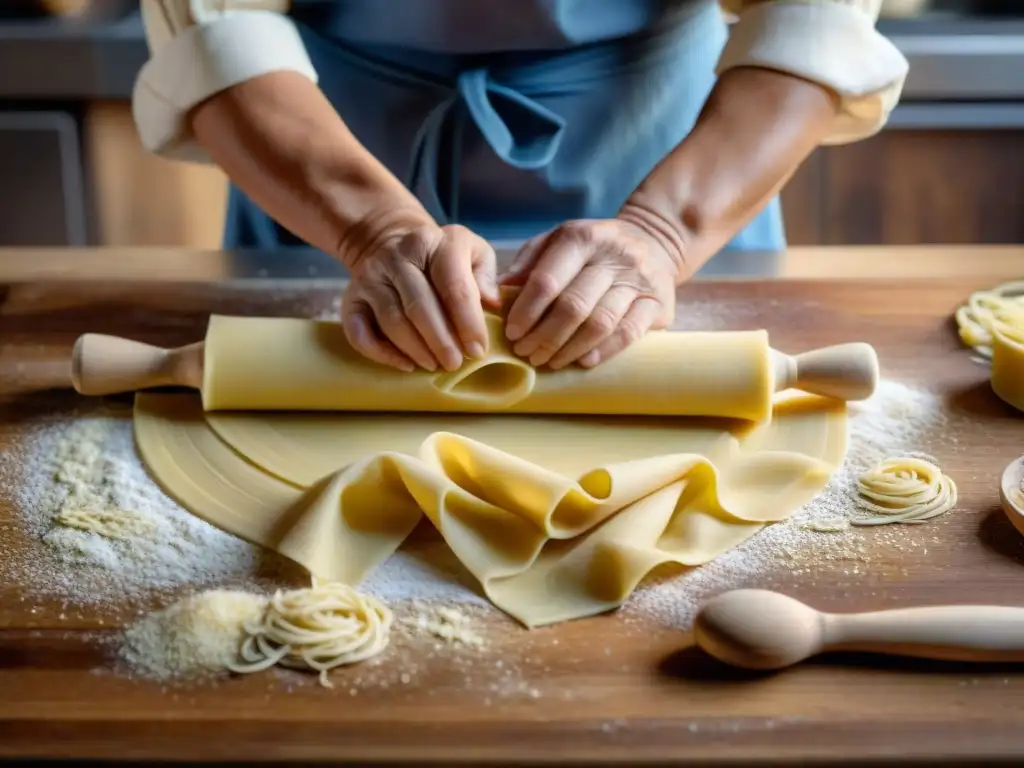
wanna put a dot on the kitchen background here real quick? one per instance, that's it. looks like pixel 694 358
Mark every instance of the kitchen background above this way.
pixel 948 169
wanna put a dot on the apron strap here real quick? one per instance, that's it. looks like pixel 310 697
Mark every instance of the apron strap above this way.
pixel 522 132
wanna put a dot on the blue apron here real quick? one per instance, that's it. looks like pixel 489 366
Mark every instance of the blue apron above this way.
pixel 512 117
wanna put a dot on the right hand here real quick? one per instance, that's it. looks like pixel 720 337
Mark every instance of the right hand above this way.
pixel 416 298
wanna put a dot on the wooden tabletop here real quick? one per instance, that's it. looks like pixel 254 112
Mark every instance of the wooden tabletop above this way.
pixel 602 690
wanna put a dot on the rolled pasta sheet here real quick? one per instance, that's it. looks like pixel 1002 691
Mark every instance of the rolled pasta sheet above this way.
pixel 290 365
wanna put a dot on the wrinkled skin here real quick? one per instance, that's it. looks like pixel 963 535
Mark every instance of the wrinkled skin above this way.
pixel 589 289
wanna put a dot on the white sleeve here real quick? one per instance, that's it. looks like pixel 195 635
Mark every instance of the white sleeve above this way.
pixel 830 42
pixel 199 48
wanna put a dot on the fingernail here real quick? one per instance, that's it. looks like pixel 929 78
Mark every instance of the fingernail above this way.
pixel 513 332
pixel 475 349
pixel 406 367
pixel 590 359
pixel 452 360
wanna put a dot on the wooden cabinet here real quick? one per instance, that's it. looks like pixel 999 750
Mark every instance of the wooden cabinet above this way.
pixel 911 186
pixel 141 200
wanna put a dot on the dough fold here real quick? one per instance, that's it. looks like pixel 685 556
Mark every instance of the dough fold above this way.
pixel 556 517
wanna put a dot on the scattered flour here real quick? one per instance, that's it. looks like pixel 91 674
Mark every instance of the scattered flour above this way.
pixel 91 462
pixel 895 420
pixel 86 467
pixel 445 622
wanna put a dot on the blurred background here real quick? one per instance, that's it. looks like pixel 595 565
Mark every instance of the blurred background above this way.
pixel 948 169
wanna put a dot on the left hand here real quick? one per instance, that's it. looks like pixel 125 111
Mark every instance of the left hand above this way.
pixel 590 289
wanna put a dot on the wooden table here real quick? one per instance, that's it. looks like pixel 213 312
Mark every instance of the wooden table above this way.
pixel 606 693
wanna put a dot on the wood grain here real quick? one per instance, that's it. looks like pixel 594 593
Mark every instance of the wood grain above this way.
pixel 911 186
pixel 985 263
pixel 616 689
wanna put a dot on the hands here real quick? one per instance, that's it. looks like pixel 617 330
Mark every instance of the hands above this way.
pixel 592 288
pixel 417 294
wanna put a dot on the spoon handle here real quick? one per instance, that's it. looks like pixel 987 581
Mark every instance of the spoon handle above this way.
pixel 951 633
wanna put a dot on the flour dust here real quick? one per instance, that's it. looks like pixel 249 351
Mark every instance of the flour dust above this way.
pixel 90 462
pixel 896 420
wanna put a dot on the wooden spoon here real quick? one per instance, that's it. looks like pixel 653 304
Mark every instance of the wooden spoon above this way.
pixel 758 629
pixel 1011 492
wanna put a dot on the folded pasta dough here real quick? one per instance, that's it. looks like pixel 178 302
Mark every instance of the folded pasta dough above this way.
pixel 292 364
pixel 531 506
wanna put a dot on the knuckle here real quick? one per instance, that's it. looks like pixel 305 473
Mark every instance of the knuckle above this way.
pixel 456 231
pixel 422 235
pixel 455 293
pixel 546 347
pixel 544 284
pixel 629 332
pixel 581 232
pixel 572 306
pixel 602 322
pixel 447 262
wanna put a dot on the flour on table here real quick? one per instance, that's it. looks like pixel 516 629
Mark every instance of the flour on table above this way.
pixel 69 475
pixel 445 622
pixel 90 462
pixel 895 420
pixel 86 468
pixel 197 636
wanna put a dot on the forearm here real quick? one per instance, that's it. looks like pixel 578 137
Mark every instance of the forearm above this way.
pixel 280 140
pixel 755 130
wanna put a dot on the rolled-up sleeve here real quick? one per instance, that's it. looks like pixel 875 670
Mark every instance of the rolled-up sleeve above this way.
pixel 199 48
pixel 830 42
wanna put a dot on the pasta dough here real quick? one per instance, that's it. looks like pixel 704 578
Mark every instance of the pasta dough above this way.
pixel 310 366
pixel 976 318
pixel 556 517
pixel 904 490
pixel 318 628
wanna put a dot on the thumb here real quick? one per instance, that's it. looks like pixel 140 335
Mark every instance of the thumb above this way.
pixel 484 269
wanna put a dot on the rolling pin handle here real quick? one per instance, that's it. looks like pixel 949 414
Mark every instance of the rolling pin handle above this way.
pixel 108 365
pixel 845 372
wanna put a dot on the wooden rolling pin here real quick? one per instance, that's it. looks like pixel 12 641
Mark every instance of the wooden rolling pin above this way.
pixel 289 364
pixel 758 629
